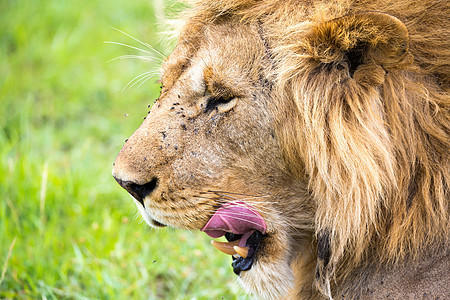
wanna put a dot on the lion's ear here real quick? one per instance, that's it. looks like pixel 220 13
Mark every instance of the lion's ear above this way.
pixel 363 41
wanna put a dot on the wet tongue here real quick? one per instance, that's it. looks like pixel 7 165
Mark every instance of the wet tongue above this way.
pixel 236 217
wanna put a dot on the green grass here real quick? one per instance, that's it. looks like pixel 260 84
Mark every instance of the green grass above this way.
pixel 62 122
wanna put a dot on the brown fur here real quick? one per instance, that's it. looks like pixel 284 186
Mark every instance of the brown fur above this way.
pixel 337 126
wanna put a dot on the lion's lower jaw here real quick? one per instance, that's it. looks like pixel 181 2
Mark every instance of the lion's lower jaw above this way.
pixel 268 280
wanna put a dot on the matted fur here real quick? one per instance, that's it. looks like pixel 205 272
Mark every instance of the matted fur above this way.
pixel 361 115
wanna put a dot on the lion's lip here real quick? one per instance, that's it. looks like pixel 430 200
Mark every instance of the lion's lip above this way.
pixel 243 227
pixel 157 223
pixel 252 243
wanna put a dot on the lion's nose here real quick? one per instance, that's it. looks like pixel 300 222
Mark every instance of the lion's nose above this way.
pixel 138 191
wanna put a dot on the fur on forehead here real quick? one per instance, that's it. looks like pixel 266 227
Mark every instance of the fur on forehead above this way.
pixel 254 10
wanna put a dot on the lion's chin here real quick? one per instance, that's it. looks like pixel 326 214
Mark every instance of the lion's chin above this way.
pixel 268 280
pixel 146 216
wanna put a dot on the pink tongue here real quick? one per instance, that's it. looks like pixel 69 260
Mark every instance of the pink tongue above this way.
pixel 236 217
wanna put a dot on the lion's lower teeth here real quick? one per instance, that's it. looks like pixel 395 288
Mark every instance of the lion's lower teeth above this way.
pixel 231 248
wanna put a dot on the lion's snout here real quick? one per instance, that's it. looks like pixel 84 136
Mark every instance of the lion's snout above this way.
pixel 133 171
pixel 138 165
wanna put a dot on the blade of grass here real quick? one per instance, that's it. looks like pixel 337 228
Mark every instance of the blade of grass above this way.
pixel 8 256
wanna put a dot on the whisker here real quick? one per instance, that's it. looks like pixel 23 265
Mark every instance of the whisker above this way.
pixel 142 43
pixel 237 214
pixel 148 58
pixel 138 78
pixel 227 197
pixel 224 192
pixel 249 200
pixel 139 218
pixel 254 199
pixel 129 46
pixel 255 208
pixel 145 79
pixel 254 204
pixel 208 198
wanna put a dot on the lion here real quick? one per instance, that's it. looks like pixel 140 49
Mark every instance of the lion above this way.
pixel 314 136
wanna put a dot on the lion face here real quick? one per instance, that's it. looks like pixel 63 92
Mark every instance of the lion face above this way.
pixel 315 139
pixel 209 140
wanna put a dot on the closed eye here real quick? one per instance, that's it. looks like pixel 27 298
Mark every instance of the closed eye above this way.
pixel 214 102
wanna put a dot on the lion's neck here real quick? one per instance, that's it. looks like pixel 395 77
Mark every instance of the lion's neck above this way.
pixel 409 279
pixel 419 278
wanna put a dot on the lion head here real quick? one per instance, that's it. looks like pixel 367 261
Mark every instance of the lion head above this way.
pixel 314 136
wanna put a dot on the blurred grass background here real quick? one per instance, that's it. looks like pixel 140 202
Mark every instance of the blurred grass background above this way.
pixel 67 230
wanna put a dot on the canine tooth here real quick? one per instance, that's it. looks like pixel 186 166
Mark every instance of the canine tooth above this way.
pixel 242 251
pixel 225 247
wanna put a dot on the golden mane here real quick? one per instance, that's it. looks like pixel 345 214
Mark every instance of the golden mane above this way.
pixel 375 146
